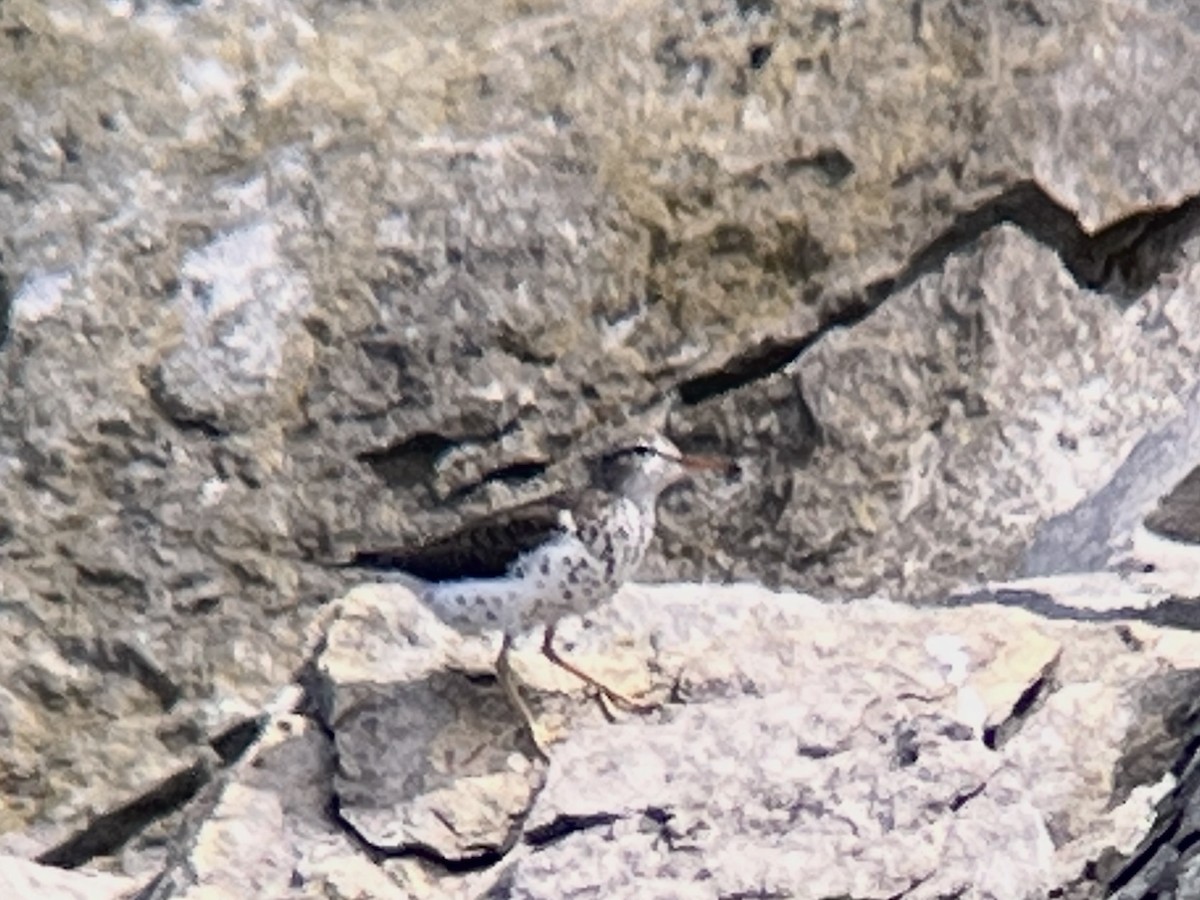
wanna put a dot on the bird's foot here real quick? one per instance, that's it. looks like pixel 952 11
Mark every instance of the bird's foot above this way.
pixel 621 701
pixel 542 739
pixel 614 697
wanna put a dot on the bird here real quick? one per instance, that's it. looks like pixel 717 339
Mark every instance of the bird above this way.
pixel 533 564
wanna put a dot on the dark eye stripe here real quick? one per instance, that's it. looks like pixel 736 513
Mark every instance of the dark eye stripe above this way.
pixel 640 451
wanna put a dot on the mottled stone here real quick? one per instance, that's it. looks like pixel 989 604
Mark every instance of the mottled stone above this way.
pixel 1004 745
pixel 429 756
pixel 20 878
pixel 278 279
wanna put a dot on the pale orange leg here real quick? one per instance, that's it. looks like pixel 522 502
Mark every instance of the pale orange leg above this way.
pixel 615 696
pixel 508 681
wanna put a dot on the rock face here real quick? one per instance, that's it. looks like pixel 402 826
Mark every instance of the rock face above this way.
pixel 799 749
pixel 21 878
pixel 283 278
pixel 426 758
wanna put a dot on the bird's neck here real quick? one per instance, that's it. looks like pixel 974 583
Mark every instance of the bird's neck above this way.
pixel 645 503
pixel 634 522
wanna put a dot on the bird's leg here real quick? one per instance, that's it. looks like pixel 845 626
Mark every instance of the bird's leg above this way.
pixel 507 679
pixel 615 696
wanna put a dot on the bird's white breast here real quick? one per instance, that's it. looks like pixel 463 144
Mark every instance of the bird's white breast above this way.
pixel 570 575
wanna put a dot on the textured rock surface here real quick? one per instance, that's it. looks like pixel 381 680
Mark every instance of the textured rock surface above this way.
pixel 1147 494
pixel 998 363
pixel 283 277
pixel 801 749
pixel 21 878
pixel 426 759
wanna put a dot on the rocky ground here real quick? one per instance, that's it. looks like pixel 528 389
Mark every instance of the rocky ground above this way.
pixel 283 278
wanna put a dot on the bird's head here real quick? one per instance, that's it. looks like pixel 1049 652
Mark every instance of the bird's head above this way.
pixel 644 468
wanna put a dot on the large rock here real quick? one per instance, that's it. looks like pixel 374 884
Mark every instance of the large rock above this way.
pixel 426 759
pixel 21 878
pixel 800 748
pixel 282 278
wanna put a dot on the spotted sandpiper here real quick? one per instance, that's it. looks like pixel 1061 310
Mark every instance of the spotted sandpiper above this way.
pixel 538 562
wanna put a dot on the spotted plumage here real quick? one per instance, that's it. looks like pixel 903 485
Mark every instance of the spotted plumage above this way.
pixel 536 563
pixel 533 565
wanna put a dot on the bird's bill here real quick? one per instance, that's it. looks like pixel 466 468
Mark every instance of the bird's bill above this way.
pixel 698 463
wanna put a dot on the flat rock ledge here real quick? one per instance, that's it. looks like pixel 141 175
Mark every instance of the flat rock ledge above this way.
pixel 1025 740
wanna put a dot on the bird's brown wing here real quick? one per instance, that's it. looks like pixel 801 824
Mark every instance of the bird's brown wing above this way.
pixel 485 548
